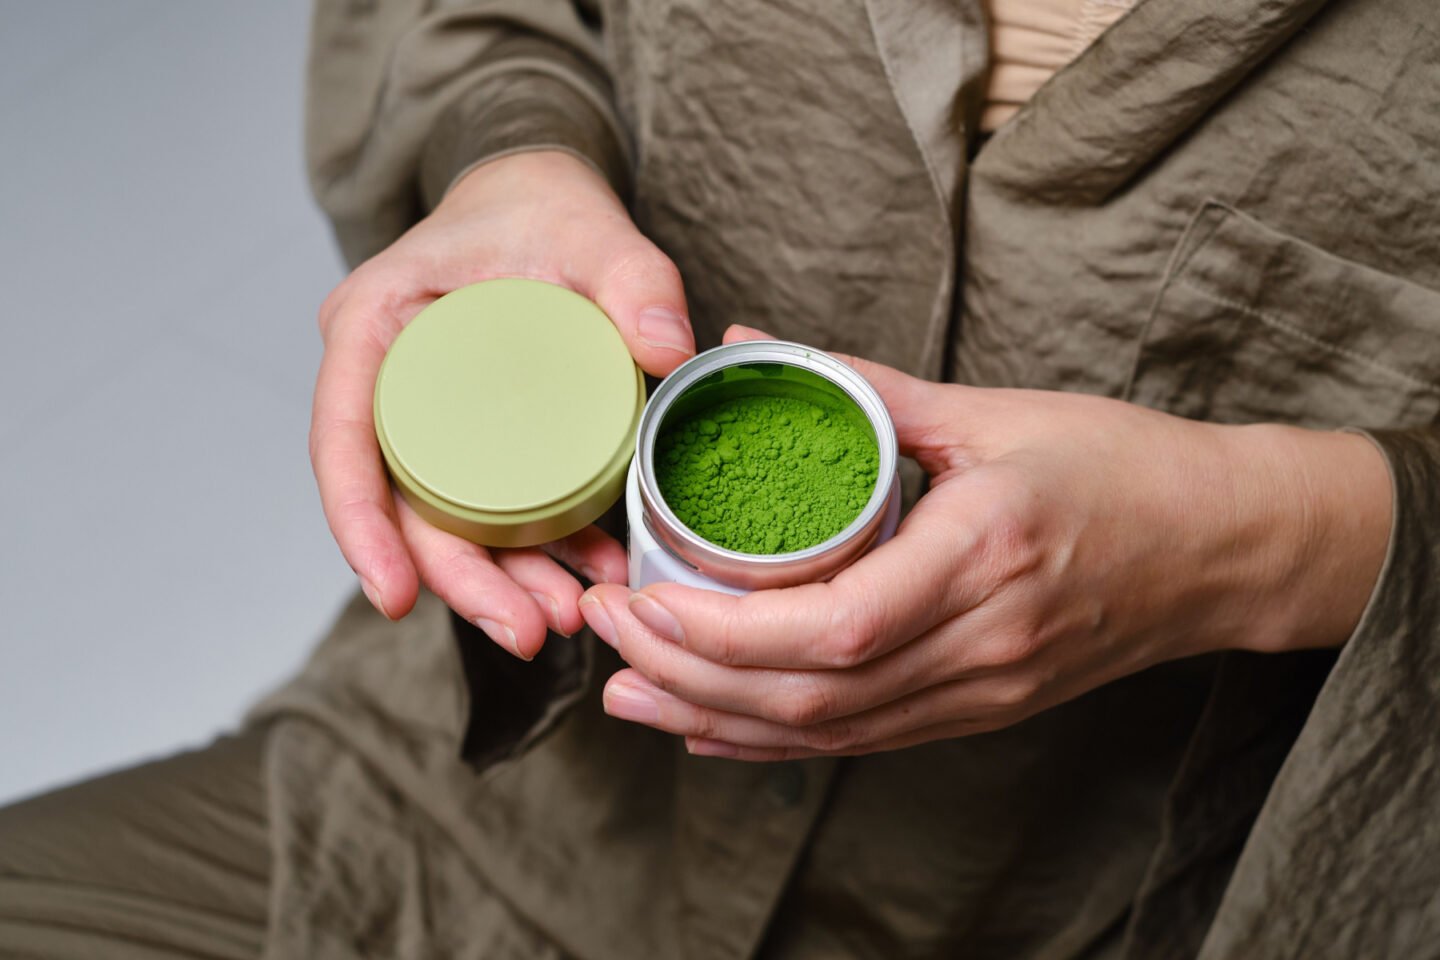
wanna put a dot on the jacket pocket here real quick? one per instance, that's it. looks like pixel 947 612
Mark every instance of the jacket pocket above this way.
pixel 1252 325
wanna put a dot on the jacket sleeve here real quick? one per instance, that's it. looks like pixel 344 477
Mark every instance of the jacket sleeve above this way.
pixel 1343 858
pixel 403 97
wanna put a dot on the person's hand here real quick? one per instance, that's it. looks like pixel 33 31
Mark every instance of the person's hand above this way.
pixel 1066 540
pixel 545 216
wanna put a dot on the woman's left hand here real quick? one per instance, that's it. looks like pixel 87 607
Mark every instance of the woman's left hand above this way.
pixel 1065 541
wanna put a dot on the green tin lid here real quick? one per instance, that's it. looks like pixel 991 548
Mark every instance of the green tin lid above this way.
pixel 507 410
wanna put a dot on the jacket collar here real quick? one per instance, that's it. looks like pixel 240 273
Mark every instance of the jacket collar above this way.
pixel 1144 83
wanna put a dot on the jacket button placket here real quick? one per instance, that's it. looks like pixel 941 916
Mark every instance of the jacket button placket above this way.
pixel 786 784
pixel 743 829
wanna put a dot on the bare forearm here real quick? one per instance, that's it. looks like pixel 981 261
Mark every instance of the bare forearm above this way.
pixel 1327 499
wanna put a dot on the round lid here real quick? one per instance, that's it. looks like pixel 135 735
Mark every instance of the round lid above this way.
pixel 507 410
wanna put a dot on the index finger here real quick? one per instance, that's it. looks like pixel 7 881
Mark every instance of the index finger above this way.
pixel 885 599
pixel 354 488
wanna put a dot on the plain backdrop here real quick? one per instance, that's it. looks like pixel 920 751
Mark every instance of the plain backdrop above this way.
pixel 163 557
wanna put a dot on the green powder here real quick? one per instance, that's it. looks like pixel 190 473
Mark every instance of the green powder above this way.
pixel 765 474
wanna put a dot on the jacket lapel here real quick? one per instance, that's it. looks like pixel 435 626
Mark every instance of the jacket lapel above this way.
pixel 1143 84
pixel 935 54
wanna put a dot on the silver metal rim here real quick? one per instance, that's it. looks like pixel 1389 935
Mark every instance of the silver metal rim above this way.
pixel 701 552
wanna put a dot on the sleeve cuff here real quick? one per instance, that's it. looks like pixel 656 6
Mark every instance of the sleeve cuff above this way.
pixel 1406 595
pixel 530 104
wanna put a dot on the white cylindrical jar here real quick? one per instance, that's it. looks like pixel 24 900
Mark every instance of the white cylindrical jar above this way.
pixel 663 548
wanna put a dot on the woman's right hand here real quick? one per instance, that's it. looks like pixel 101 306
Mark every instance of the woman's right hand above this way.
pixel 1064 541
pixel 543 215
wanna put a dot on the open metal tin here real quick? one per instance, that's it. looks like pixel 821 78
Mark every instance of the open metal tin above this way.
pixel 774 368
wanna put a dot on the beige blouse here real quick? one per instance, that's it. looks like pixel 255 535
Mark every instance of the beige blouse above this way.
pixel 1031 39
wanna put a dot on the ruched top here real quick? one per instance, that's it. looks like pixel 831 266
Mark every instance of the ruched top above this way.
pixel 1031 39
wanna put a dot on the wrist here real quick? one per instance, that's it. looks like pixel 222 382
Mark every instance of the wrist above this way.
pixel 1324 500
pixel 554 172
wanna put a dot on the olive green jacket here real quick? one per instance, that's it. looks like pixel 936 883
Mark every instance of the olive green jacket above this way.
pixel 1225 209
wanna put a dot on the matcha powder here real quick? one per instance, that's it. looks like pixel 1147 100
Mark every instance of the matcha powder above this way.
pixel 763 474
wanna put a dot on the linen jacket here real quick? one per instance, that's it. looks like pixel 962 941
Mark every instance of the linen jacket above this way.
pixel 1225 209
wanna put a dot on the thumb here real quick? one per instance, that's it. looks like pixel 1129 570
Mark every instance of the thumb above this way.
pixel 736 333
pixel 641 290
pixel 914 404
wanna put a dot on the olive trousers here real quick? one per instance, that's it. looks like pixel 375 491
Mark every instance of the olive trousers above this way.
pixel 168 859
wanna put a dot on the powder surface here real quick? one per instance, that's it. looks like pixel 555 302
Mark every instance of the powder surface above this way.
pixel 766 474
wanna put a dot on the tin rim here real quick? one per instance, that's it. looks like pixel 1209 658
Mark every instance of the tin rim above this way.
pixel 706 556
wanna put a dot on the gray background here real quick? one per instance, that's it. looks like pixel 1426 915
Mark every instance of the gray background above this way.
pixel 163 558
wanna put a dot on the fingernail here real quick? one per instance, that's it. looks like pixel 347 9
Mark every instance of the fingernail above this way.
pixel 740 328
pixel 656 617
pixel 589 573
pixel 373 595
pixel 663 327
pixel 547 602
pixel 711 748
pixel 594 613
pixel 627 703
pixel 501 634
